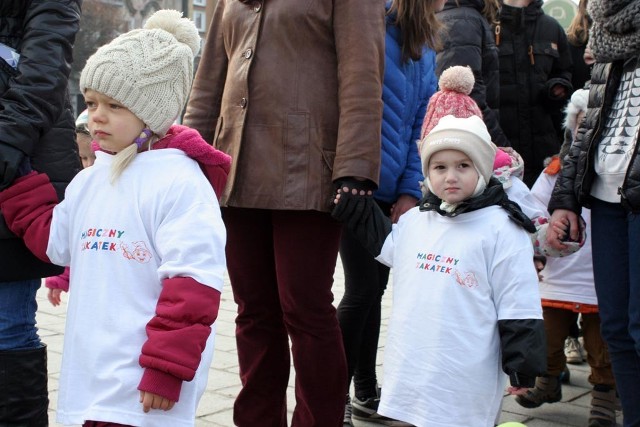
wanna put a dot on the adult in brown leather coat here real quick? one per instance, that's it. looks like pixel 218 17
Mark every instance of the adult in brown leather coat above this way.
pixel 292 91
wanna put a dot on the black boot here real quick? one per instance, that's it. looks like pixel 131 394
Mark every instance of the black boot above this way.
pixel 24 398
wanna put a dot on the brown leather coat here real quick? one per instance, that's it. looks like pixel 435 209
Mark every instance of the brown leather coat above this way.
pixel 292 91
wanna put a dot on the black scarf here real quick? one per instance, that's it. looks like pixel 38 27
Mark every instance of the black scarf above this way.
pixel 492 195
pixel 615 33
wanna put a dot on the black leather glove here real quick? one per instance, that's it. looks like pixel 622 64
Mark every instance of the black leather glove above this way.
pixel 14 163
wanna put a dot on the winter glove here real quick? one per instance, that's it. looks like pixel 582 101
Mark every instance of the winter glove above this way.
pixel 14 163
pixel 362 216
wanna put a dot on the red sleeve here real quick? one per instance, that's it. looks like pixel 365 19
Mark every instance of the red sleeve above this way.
pixel 177 335
pixel 27 207
pixel 217 176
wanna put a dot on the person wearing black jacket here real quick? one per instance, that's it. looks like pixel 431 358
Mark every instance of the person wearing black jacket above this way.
pixel 467 39
pixel 602 172
pixel 36 130
pixel 535 82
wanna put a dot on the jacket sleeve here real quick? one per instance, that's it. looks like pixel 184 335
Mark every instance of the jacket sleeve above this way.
pixel 463 40
pixel 563 195
pixel 562 66
pixel 60 281
pixel 359 32
pixel 205 99
pixel 412 173
pixel 27 207
pixel 37 93
pixel 177 335
pixel 524 350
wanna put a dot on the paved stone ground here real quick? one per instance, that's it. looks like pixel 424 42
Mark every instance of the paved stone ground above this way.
pixel 216 406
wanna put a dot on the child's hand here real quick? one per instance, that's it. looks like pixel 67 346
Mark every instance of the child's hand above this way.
pixel 54 296
pixel 153 401
pixel 517 391
pixel 403 204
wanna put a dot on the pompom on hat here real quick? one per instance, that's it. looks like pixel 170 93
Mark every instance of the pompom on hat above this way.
pixel 148 70
pixel 455 83
pixel 454 122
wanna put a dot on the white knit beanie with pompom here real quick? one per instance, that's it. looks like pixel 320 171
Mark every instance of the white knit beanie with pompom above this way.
pixel 148 70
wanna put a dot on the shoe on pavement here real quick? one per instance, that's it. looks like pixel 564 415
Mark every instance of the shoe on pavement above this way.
pixel 347 422
pixel 573 351
pixel 603 408
pixel 367 410
pixel 546 390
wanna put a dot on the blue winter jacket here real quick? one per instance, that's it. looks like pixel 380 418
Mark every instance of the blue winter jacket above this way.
pixel 407 89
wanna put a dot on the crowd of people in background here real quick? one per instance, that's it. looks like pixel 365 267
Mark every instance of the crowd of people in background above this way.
pixel 476 149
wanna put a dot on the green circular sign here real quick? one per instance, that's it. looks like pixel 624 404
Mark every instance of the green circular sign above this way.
pixel 562 10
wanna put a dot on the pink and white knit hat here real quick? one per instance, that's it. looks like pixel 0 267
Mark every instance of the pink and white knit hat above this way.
pixel 456 83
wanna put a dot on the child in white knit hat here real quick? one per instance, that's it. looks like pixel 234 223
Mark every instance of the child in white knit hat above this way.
pixel 143 232
pixel 465 291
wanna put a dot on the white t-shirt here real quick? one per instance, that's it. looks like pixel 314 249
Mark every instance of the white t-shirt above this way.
pixel 160 219
pixel 453 279
pixel 569 278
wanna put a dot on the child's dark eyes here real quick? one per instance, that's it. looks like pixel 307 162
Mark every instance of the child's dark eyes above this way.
pixel 115 106
pixel 90 104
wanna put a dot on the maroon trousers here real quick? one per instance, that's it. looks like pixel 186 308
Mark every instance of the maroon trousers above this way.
pixel 281 266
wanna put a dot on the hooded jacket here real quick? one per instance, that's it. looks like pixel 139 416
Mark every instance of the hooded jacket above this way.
pixel 35 114
pixel 468 40
pixel 573 188
pixel 534 56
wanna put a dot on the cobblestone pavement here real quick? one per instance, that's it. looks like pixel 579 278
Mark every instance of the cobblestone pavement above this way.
pixel 216 406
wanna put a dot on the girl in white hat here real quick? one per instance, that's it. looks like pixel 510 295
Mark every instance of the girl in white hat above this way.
pixel 143 232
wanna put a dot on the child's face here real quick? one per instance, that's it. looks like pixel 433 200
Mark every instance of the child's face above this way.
pixel 84 149
pixel 111 124
pixel 452 175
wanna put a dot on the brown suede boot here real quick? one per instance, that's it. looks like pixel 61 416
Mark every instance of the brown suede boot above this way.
pixel 547 390
pixel 603 407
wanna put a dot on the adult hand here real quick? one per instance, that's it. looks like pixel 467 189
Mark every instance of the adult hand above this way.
pixel 562 221
pixel 13 164
pixel 403 204
pixel 153 401
pixel 559 91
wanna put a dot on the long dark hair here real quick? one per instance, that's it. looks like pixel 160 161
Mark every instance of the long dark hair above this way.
pixel 578 31
pixel 418 26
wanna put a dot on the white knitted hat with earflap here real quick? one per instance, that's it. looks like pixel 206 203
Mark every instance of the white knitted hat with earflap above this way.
pixel 148 70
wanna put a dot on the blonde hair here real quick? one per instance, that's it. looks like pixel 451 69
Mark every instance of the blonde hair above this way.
pixel 578 31
pixel 121 160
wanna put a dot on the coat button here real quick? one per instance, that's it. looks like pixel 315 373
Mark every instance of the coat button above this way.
pixel 257 7
pixel 243 102
pixel 248 53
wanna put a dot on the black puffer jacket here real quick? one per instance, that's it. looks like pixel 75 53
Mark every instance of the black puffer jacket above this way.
pixel 468 40
pixel 35 113
pixel 573 186
pixel 534 56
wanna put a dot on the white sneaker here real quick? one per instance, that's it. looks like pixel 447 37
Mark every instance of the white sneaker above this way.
pixel 573 351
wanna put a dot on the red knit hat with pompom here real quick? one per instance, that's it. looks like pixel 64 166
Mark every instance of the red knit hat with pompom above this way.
pixel 456 83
